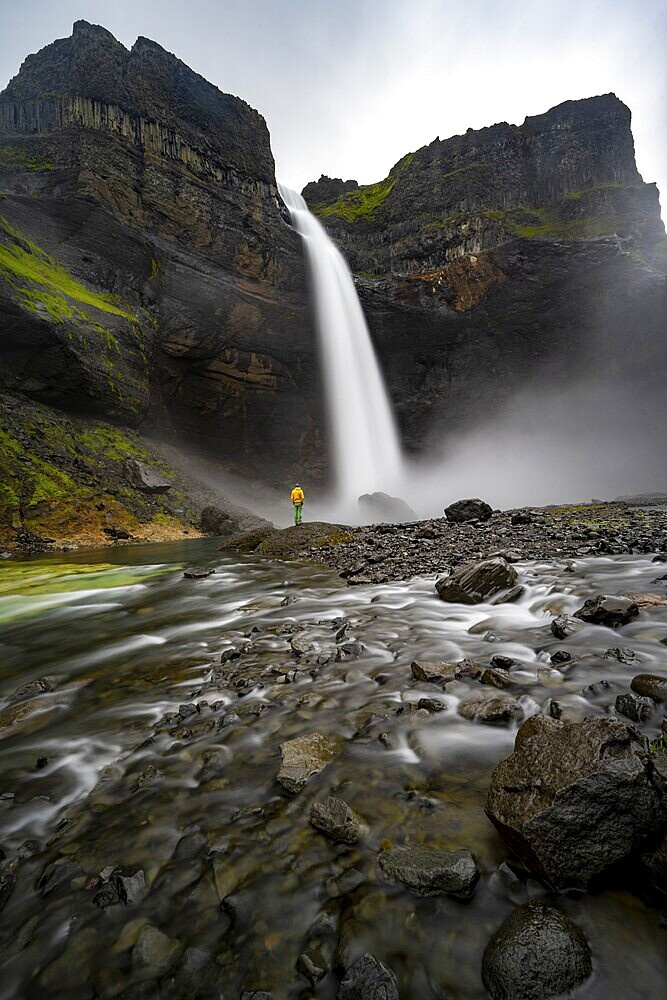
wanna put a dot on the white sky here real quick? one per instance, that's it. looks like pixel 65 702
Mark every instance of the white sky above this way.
pixel 349 86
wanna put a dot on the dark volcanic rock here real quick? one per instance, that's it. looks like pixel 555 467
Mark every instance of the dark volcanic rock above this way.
pixel 537 953
pixel 635 707
pixel 477 582
pixel 429 872
pixel 334 817
pixel 198 572
pixel 564 625
pixel 622 654
pixel 368 979
pixel 468 510
pixel 217 522
pixel 573 800
pixel 651 686
pixel 610 611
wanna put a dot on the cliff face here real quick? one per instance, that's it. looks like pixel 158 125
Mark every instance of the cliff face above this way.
pixel 505 255
pixel 147 274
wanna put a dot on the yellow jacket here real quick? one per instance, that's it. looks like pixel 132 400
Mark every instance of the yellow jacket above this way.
pixel 297 495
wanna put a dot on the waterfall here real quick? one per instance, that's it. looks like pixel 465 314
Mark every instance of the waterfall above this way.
pixel 366 449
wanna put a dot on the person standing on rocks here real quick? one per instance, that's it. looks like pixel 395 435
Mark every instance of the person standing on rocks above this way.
pixel 297 499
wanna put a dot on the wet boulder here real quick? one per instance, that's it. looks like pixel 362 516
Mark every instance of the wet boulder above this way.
pixel 375 507
pixel 302 758
pixel 477 582
pixel 198 572
pixel 368 979
pixel 492 709
pixel 651 686
pixel 571 800
pixel 536 953
pixel 427 670
pixel 472 509
pixel 337 820
pixel 622 654
pixel 633 706
pixel 432 873
pixel 142 477
pixel 607 610
pixel 564 625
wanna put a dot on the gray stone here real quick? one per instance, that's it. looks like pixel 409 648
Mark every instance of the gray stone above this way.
pixel 154 953
pixel 536 953
pixel 495 677
pixel 425 670
pixel 635 706
pixel 432 873
pixel 622 654
pixel 651 686
pixel 473 509
pixel 574 799
pixel 368 979
pixel 334 817
pixel 142 477
pixel 482 706
pixel 477 582
pixel 564 625
pixel 607 610
pixel 198 572
pixel 303 757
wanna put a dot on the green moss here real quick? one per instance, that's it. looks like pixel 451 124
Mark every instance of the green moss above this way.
pixel 363 202
pixel 44 283
pixel 532 223
pixel 15 158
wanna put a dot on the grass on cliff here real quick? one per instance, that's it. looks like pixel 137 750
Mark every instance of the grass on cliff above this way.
pixel 363 202
pixel 13 158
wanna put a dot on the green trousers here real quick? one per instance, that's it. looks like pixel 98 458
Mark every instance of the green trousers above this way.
pixel 297 513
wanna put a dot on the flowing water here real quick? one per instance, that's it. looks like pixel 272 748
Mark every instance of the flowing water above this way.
pixel 99 770
pixel 366 450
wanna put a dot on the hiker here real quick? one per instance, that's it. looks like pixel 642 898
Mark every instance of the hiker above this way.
pixel 297 499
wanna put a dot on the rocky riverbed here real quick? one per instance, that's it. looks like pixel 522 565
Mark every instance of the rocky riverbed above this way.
pixel 254 781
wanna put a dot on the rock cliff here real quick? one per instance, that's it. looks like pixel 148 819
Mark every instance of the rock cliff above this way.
pixel 505 255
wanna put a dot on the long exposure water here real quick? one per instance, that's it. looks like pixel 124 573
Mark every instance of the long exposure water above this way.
pixel 366 449
pixel 98 770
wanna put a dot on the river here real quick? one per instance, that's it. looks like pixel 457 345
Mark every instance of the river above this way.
pixel 93 775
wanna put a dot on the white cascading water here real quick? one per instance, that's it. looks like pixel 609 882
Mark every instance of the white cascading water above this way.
pixel 366 449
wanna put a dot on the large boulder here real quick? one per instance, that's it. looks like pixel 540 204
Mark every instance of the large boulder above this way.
pixel 368 979
pixel 607 610
pixel 574 799
pixel 374 507
pixel 142 477
pixel 651 686
pixel 339 821
pixel 477 582
pixel 429 872
pixel 473 509
pixel 536 953
pixel 217 522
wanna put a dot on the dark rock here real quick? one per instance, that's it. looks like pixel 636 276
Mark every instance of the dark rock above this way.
pixel 334 817
pixel 564 625
pixel 574 799
pixel 375 507
pixel 536 953
pixel 607 610
pixel 468 510
pixel 217 522
pixel 424 670
pixel 125 886
pixel 477 582
pixel 635 707
pixel 154 953
pixel 302 758
pixel 430 873
pixel 651 686
pixel 344 884
pixel 431 704
pixel 481 706
pixel 502 662
pixel 300 645
pixel 198 572
pixel 622 654
pixel 139 475
pixel 496 678
pixel 656 864
pixel 186 710
pixel 368 979
pixel 561 656
pixel 32 688
pixel 512 595
pixel 7 883
pixel 521 517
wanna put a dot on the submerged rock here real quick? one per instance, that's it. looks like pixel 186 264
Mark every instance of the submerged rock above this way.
pixel 574 799
pixel 473 509
pixel 609 611
pixel 368 979
pixel 477 582
pixel 334 817
pixel 154 952
pixel 536 953
pixel 431 873
pixel 482 706
pixel 302 758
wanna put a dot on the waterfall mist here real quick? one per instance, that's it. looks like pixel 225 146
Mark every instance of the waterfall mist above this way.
pixel 366 450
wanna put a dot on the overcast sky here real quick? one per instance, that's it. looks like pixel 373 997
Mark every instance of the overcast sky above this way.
pixel 347 87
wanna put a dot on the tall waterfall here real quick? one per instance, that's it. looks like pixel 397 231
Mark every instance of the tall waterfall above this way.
pixel 366 450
